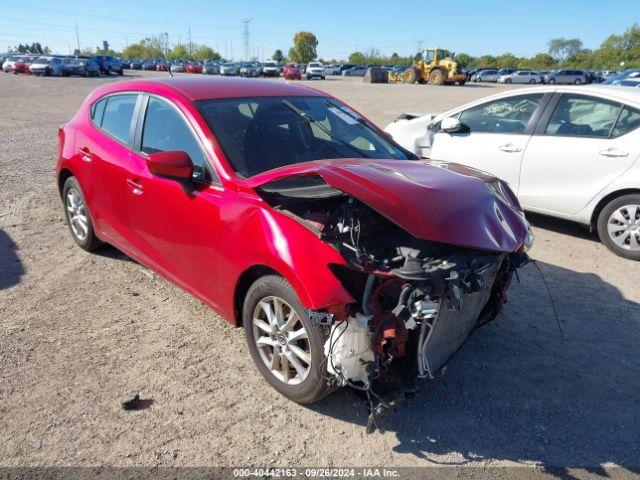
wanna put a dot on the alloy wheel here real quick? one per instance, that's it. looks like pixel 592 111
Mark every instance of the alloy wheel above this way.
pixel 77 214
pixel 282 341
pixel 623 227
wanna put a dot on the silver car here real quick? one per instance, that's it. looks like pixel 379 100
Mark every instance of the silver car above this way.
pixel 48 66
pixel 248 69
pixel 569 77
pixel 521 76
pixel 230 69
pixel 487 76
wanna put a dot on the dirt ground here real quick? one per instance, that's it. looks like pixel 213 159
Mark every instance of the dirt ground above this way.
pixel 77 330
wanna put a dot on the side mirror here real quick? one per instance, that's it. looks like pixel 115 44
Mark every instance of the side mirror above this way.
pixel 451 125
pixel 176 165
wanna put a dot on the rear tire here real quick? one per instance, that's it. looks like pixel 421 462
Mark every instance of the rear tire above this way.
pixel 306 382
pixel 78 216
pixel 619 226
pixel 577 82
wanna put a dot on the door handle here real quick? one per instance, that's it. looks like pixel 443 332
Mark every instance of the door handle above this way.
pixel 136 188
pixel 510 148
pixel 613 152
pixel 85 154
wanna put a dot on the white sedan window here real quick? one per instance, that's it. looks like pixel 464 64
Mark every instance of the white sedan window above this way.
pixel 507 115
pixel 581 116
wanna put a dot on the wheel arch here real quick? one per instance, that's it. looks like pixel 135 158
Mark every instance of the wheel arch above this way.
pixel 63 176
pixel 243 284
pixel 605 200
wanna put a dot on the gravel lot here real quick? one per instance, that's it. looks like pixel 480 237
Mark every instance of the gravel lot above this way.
pixel 77 330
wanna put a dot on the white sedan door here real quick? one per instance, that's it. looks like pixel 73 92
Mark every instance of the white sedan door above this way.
pixel 585 145
pixel 494 138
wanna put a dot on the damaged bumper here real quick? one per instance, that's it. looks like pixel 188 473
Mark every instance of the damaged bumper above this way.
pixel 430 251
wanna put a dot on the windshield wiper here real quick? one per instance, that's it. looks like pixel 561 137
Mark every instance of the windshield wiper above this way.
pixel 308 118
pixel 357 118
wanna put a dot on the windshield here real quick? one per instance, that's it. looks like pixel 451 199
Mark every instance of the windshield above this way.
pixel 270 64
pixel 259 134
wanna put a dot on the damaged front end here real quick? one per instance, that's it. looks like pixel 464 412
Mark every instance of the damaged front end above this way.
pixel 418 298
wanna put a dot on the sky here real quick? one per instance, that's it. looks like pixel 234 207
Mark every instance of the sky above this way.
pixel 475 27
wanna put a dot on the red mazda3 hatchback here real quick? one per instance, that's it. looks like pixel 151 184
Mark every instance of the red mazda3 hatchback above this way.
pixel 342 255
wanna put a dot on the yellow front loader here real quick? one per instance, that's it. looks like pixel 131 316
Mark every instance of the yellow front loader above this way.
pixel 435 67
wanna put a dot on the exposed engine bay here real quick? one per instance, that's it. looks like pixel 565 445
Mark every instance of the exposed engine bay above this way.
pixel 418 300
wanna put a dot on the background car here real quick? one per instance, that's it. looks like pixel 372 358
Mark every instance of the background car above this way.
pixel 521 76
pixel 489 75
pixel 230 69
pixel 149 65
pixel 357 71
pixel 194 67
pixel 7 65
pixel 315 70
pixel 345 66
pixel 567 77
pixel 86 67
pixel 292 72
pixel 249 69
pixel 108 64
pixel 136 64
pixel 46 66
pixel 569 152
pixel 23 63
pixel 178 67
pixel 211 68
pixel 332 70
pixel 162 66
pixel 270 69
pixel 618 78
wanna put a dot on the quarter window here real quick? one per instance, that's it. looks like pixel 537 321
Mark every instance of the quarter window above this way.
pixel 116 119
pixel 507 115
pixel 166 130
pixel 581 116
pixel 97 110
pixel 628 120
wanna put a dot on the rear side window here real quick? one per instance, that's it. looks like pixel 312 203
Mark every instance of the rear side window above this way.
pixel 629 120
pixel 117 115
pixel 506 115
pixel 582 116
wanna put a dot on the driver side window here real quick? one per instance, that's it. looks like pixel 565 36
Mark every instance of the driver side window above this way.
pixel 506 115
pixel 166 130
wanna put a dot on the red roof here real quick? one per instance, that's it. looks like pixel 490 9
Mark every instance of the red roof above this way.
pixel 201 88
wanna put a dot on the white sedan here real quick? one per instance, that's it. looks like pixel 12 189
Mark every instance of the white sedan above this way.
pixel 568 152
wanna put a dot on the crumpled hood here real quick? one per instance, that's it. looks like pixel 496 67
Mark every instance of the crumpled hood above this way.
pixel 442 202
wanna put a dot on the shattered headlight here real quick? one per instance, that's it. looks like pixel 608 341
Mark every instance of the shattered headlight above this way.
pixel 528 240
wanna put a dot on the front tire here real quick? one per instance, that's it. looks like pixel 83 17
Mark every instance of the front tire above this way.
pixel 78 217
pixel 619 226
pixel 287 348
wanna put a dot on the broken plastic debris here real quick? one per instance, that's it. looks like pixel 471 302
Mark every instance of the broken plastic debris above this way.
pixel 130 400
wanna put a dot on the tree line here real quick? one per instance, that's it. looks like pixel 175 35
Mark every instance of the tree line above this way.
pixel 561 52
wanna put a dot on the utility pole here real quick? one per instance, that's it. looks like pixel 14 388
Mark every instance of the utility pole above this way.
pixel 246 36
pixel 77 39
pixel 190 43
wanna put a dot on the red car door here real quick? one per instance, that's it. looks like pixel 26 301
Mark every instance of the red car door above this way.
pixel 105 149
pixel 175 225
